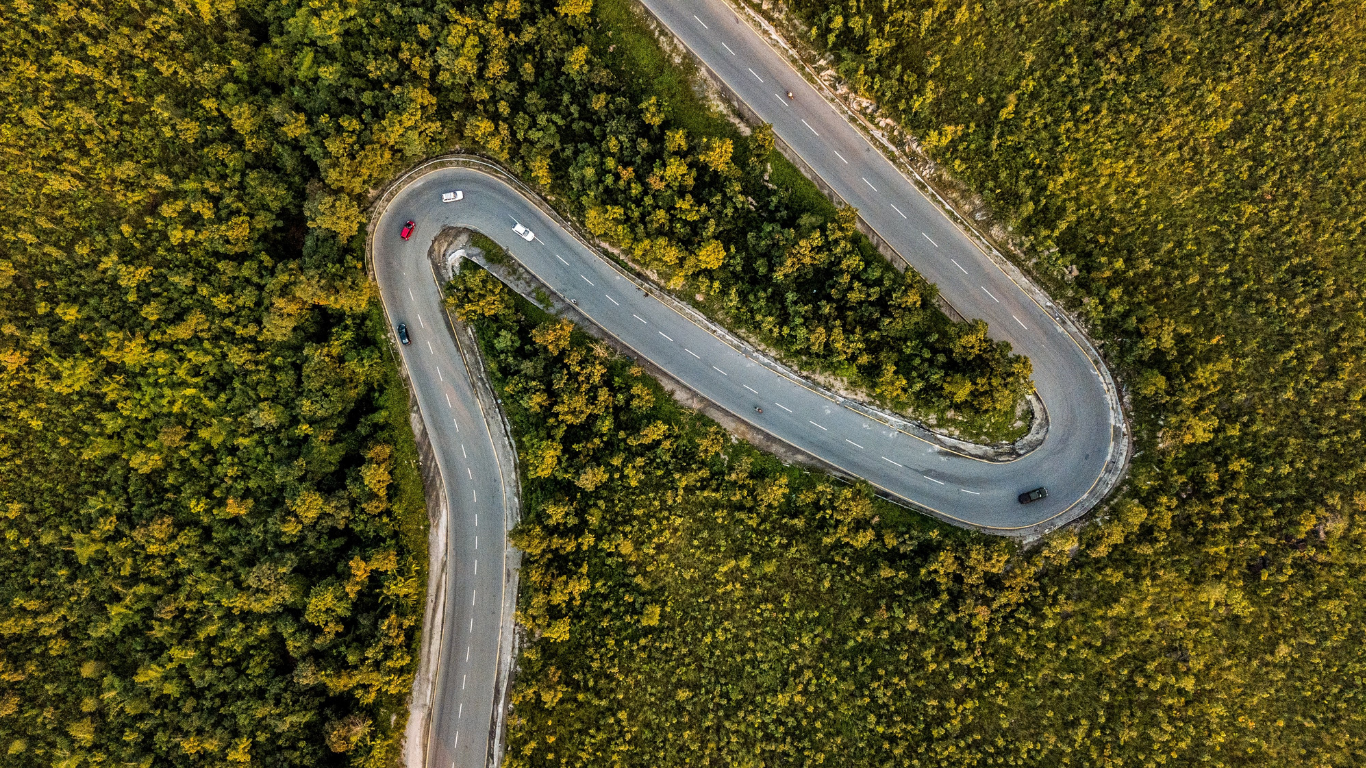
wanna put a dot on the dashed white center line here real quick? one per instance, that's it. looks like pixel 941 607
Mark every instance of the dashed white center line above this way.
pixel 476 525
pixel 932 480
pixel 438 374
pixel 463 678
pixel 561 258
pixel 955 263
pixel 809 421
pixel 665 335
pixel 927 237
pixel 454 421
pixel 728 50
pixel 474 597
pixel 420 320
pixel 898 210
pixel 471 625
pixel 460 712
pixel 462 451
pixel 723 373
pixel 586 280
pixel 784 407
pixel 751 389
pixel 448 399
pixel 1022 325
pixel 993 298
pixel 893 463
pixel 756 75
pixel 476 500
pixel 609 298
pixel 856 445
pixel 476 542
pixel 837 154
pixel 429 348
pixel 974 493
pixel 410 294
pixel 699 21
pixel 638 317
pixel 808 125
pixel 781 100
pixel 869 183
pixel 469 472
pixel 694 354
pixel 467 653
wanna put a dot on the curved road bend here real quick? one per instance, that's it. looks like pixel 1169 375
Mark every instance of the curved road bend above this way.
pixel 1070 461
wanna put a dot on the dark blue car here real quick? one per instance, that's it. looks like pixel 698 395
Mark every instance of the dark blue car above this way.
pixel 403 333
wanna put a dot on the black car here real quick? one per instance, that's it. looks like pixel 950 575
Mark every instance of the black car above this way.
pixel 1034 495
pixel 403 333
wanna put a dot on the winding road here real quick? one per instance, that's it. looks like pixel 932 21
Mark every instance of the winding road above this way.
pixel 1079 460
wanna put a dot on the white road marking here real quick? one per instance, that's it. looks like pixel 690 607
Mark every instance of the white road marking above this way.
pixel 898 210
pixel 476 499
pixel 453 421
pixel 781 100
pixel 751 389
pixel 462 451
pixel 694 354
pixel 808 125
pixel 457 740
pixel 476 542
pixel 812 422
pixel 723 373
pixel 469 472
pixel 955 262
pixel 467 653
pixel 727 47
pixel 699 21
pixel 448 398
pixel 609 298
pixel 756 75
pixel 893 463
pixel 665 335
pixel 463 678
pixel 974 493
pixel 471 625
pixel 638 317
pixel 927 237
pixel 561 258
pixel 784 407
pixel 476 525
pixel 474 597
pixel 869 183
pixel 410 294
pixel 856 445
pixel 837 154
pixel 438 374
pixel 429 347
pixel 932 480
pixel 993 298
pixel 586 280
pixel 420 320
pixel 1022 325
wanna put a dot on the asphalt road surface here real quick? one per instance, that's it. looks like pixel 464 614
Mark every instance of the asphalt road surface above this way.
pixel 1070 461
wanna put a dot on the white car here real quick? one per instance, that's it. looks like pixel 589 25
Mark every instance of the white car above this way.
pixel 452 197
pixel 525 233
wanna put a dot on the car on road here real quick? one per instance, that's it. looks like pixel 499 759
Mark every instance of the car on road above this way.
pixel 407 230
pixel 452 197
pixel 403 334
pixel 1029 497
pixel 525 233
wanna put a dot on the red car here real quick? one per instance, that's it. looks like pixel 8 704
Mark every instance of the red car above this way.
pixel 407 231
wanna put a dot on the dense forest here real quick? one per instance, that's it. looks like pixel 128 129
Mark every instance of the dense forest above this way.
pixel 213 528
